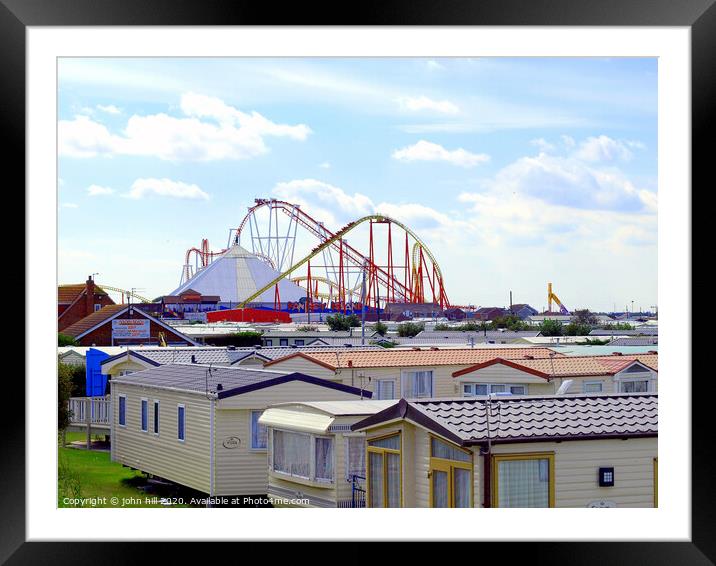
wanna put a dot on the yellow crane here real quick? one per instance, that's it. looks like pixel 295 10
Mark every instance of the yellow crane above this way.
pixel 552 297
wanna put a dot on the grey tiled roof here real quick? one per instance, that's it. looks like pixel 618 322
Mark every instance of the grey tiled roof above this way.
pixel 491 334
pixel 197 377
pixel 642 341
pixel 556 416
pixel 220 356
pixel 640 331
pixel 530 418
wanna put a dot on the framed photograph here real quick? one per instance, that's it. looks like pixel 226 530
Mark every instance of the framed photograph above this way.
pixel 416 260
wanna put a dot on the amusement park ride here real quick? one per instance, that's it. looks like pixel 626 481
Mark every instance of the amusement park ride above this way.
pixel 385 261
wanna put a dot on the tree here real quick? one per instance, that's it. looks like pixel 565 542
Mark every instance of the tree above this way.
pixel 584 316
pixel 65 340
pixel 410 329
pixel 239 339
pixel 577 329
pixel 380 328
pixel 64 392
pixel 550 328
pixel 509 322
pixel 340 321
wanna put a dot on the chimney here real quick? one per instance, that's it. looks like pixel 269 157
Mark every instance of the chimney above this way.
pixel 89 296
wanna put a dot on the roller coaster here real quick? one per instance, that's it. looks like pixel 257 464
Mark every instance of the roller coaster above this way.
pixel 395 266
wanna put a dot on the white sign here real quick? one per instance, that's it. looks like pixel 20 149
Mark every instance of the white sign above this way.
pixel 130 328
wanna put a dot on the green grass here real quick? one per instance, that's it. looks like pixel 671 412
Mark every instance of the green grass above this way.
pixel 86 474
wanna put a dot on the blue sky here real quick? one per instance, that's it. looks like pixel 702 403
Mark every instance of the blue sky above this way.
pixel 515 172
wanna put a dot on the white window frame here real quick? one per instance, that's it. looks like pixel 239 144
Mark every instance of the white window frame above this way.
pixel 312 456
pixel 404 377
pixel 490 386
pixel 630 379
pixel 251 431
pixel 181 406
pixel 155 418
pixel 377 388
pixel 144 402
pixel 119 413
pixel 593 382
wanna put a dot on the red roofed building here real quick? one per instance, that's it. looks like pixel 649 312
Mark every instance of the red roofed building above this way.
pixel 75 302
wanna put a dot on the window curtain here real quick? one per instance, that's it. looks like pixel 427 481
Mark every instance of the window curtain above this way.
pixel 462 488
pixel 440 488
pixel 291 453
pixel 376 479
pixel 385 389
pixel 523 483
pixel 258 431
pixel 418 384
pixel 393 461
pixel 355 456
pixel 324 458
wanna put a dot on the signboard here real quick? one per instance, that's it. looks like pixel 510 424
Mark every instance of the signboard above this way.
pixel 130 328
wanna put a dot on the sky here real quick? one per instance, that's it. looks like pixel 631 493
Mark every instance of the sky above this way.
pixel 515 172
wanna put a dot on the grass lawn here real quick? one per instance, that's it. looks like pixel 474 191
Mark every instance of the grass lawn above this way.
pixel 86 474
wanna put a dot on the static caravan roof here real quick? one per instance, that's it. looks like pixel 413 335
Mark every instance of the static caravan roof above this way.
pixel 571 365
pixel 221 381
pixel 317 417
pixel 360 358
pixel 475 420
pixel 157 356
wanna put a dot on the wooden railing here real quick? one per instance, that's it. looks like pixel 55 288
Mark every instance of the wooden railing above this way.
pixel 93 410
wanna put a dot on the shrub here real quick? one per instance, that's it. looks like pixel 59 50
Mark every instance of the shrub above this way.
pixel 65 340
pixel 342 322
pixel 380 328
pixel 410 329
pixel 550 328
pixel 307 328
pixel 239 339
pixel 64 392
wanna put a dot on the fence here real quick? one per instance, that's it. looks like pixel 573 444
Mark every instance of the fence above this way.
pixel 96 408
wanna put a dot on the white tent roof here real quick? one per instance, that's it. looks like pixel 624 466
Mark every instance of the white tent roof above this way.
pixel 238 274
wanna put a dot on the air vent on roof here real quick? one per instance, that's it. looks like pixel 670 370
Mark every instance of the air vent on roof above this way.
pixel 257 347
pixel 193 359
pixel 293 346
pixel 434 348
pixel 529 357
pixel 348 345
pixel 616 353
pixel 350 363
pixel 219 387
pixel 416 349
pixel 232 347
pixel 652 352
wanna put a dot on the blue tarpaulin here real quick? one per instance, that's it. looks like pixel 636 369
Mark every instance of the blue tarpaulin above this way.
pixel 96 383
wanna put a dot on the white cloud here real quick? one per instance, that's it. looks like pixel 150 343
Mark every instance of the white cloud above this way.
pixel 325 165
pixel 424 103
pixel 434 65
pixel 97 190
pixel 542 144
pixel 165 188
pixel 427 151
pixel 109 109
pixel 604 148
pixel 570 182
pixel 69 205
pixel 210 130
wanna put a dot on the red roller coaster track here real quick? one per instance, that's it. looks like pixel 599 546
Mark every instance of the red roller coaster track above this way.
pixel 415 279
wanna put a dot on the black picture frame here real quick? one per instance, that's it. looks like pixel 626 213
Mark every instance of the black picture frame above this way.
pixel 699 15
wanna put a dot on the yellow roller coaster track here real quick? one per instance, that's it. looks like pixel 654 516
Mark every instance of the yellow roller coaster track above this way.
pixel 336 237
pixel 331 284
pixel 124 292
